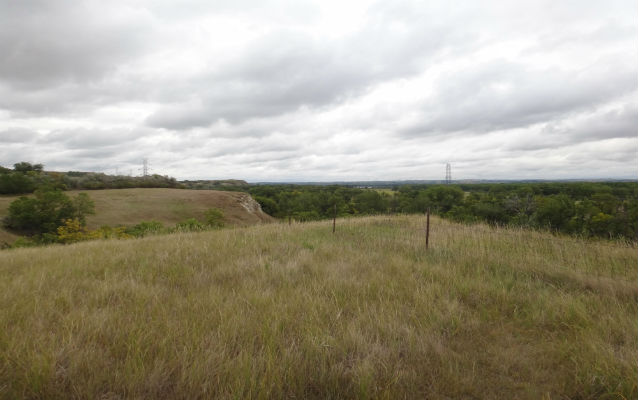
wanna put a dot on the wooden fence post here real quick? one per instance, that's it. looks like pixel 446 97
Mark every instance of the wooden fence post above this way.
pixel 334 219
pixel 427 230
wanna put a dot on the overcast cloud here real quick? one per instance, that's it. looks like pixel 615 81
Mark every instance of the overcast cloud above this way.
pixel 283 90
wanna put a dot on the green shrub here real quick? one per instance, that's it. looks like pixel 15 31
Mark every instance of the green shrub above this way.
pixel 46 211
pixel 269 206
pixel 190 225
pixel 42 213
pixel 145 228
pixel 23 242
pixel 119 232
pixel 73 231
pixel 214 217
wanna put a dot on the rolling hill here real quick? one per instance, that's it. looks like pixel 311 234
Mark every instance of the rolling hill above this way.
pixel 169 206
pixel 279 311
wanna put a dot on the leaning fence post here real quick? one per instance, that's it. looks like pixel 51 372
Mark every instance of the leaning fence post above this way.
pixel 427 230
pixel 334 218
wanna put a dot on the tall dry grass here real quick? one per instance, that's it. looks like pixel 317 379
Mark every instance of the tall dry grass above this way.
pixel 278 311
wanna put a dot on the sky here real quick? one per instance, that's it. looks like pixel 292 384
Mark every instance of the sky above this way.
pixel 276 90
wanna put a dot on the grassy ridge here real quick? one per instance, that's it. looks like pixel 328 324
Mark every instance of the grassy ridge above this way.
pixel 277 311
pixel 131 206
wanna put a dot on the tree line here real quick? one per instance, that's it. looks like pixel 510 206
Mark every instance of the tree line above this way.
pixel 26 178
pixel 590 209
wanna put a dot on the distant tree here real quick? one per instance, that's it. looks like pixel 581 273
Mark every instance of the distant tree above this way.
pixel 601 224
pixel 491 211
pixel 23 215
pixel 554 212
pixel 16 183
pixel 606 202
pixel 42 213
pixel 443 198
pixel 83 206
pixel 26 167
pixel 269 206
pixel 370 202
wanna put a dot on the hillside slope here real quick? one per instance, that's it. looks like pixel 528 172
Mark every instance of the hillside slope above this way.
pixel 130 206
pixel 169 206
pixel 279 311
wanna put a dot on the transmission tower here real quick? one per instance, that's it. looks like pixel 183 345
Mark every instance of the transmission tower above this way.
pixel 448 173
pixel 145 167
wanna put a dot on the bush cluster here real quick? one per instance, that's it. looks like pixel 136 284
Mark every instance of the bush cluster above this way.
pixel 46 211
pixel 73 229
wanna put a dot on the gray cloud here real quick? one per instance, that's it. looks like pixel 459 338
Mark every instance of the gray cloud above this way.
pixel 49 42
pixel 287 69
pixel 17 135
pixel 503 95
pixel 278 90
pixel 617 123
pixel 59 58
pixel 83 138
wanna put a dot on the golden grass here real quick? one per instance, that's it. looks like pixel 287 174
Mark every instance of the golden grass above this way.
pixel 278 311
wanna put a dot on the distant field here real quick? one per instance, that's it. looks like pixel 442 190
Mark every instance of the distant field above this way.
pixel 279 311
pixel 169 206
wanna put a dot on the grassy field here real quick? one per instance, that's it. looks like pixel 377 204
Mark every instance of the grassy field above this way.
pixel 279 311
pixel 169 206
